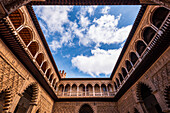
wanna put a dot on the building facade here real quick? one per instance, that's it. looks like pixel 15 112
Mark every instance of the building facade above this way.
pixel 31 83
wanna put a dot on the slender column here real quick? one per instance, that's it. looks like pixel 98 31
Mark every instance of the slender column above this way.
pixel 85 90
pixel 70 90
pixel 36 55
pixel 93 91
pixel 63 90
pixel 78 91
pixel 29 43
pixel 100 90
pixel 42 64
pixel 137 54
pixel 107 90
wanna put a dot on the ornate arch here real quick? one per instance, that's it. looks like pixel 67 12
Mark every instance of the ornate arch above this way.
pixel 138 90
pixel 35 94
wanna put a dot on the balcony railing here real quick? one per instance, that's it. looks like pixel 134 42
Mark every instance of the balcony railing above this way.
pixel 85 94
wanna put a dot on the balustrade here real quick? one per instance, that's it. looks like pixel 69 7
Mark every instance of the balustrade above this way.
pixel 85 93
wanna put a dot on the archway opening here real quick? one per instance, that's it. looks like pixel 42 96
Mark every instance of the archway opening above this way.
pixel 67 90
pixel 86 109
pixel 115 86
pixel 74 90
pixel 89 90
pixel 148 34
pixel 159 16
pixel 140 47
pixel 48 73
pixel 26 101
pixel 104 90
pixel 40 59
pixel 16 18
pixel 97 90
pixel 128 65
pixel 33 47
pixel 124 72
pixel 149 100
pixel 44 66
pixel 60 90
pixel 133 57
pixel 120 77
pixel 26 35
pixel 81 90
pixel 110 89
pixel 117 82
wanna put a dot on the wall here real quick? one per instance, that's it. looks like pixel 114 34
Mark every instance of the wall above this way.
pixel 73 107
pixel 157 78
pixel 15 79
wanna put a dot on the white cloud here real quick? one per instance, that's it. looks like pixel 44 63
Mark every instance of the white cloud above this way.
pixel 105 30
pixel 54 16
pixel 67 56
pixel 105 10
pixel 101 61
pixel 84 21
pixel 87 9
pixel 55 45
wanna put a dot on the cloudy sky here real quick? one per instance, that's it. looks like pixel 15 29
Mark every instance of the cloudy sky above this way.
pixel 86 40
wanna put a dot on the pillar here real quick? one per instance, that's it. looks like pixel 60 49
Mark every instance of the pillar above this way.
pixel 78 91
pixel 100 90
pixel 93 91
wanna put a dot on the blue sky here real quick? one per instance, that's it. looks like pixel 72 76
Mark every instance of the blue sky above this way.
pixel 86 40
